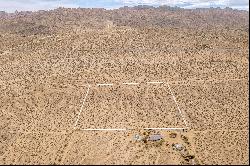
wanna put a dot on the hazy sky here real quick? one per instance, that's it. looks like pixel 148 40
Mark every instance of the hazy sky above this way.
pixel 33 5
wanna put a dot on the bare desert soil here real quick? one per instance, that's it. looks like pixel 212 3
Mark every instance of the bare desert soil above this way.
pixel 67 70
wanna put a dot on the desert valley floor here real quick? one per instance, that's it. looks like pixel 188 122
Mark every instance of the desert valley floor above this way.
pixel 64 78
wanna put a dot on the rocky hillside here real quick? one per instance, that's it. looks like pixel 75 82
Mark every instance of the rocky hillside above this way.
pixel 136 17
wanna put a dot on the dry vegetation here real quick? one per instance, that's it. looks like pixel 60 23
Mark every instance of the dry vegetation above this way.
pixel 48 59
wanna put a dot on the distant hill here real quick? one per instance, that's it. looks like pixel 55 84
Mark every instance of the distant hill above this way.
pixel 135 17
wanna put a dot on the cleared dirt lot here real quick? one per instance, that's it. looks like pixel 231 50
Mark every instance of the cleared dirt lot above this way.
pixel 44 79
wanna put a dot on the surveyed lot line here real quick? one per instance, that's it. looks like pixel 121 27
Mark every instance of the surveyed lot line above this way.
pixel 155 82
pixel 103 129
pixel 184 120
pixel 122 129
pixel 81 107
pixel 168 128
pixel 67 131
pixel 130 83
pixel 104 84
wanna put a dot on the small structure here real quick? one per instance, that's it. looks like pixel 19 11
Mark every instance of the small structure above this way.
pixel 155 137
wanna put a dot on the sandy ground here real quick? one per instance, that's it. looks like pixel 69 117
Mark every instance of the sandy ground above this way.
pixel 43 88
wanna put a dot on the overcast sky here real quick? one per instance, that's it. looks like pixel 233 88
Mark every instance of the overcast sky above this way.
pixel 33 5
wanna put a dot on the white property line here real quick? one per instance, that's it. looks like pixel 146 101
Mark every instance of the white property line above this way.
pixel 130 83
pixel 155 82
pixel 81 107
pixel 103 129
pixel 165 128
pixel 122 129
pixel 66 131
pixel 177 105
pixel 104 84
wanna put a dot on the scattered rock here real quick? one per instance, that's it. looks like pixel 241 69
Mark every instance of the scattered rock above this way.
pixel 137 137
pixel 190 157
pixel 178 147
pixel 172 135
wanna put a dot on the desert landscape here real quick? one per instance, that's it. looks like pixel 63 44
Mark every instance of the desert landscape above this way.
pixel 134 85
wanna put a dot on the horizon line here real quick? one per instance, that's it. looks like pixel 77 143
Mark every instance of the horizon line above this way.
pixel 131 7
